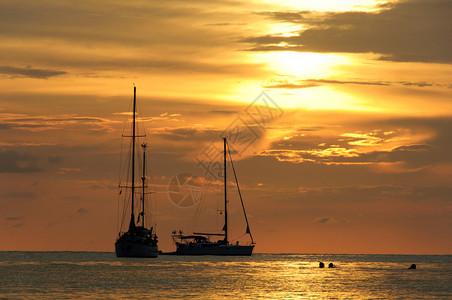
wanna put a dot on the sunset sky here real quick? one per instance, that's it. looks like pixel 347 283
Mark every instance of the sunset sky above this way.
pixel 355 157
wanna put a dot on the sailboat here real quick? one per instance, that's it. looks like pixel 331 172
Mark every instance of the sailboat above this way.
pixel 201 244
pixel 140 239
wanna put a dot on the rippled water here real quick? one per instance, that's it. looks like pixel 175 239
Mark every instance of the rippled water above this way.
pixel 68 275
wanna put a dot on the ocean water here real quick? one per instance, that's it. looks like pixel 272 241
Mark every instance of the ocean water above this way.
pixel 100 275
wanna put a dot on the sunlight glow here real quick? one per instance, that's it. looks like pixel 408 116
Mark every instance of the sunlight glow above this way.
pixel 312 65
pixel 319 98
pixel 284 29
pixel 293 84
pixel 329 5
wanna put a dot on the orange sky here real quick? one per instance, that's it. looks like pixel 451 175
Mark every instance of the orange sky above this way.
pixel 354 159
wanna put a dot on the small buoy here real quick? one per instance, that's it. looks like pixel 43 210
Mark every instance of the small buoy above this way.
pixel 321 265
pixel 331 265
pixel 412 267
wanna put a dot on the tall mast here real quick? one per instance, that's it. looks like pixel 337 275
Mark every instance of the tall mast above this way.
pixel 143 179
pixel 132 217
pixel 225 196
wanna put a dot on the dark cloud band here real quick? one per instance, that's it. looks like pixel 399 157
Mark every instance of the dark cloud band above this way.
pixel 29 72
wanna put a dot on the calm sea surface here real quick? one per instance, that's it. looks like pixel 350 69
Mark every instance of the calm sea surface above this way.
pixel 69 275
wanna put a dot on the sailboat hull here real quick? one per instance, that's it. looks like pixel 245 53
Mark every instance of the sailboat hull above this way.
pixel 130 248
pixel 214 249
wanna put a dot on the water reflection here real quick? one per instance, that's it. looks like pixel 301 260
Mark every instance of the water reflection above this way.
pixel 262 276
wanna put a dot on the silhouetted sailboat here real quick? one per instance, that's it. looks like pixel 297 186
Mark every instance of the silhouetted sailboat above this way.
pixel 139 240
pixel 200 244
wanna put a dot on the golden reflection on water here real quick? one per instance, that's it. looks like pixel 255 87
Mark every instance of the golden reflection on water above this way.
pixel 272 280
pixel 298 280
